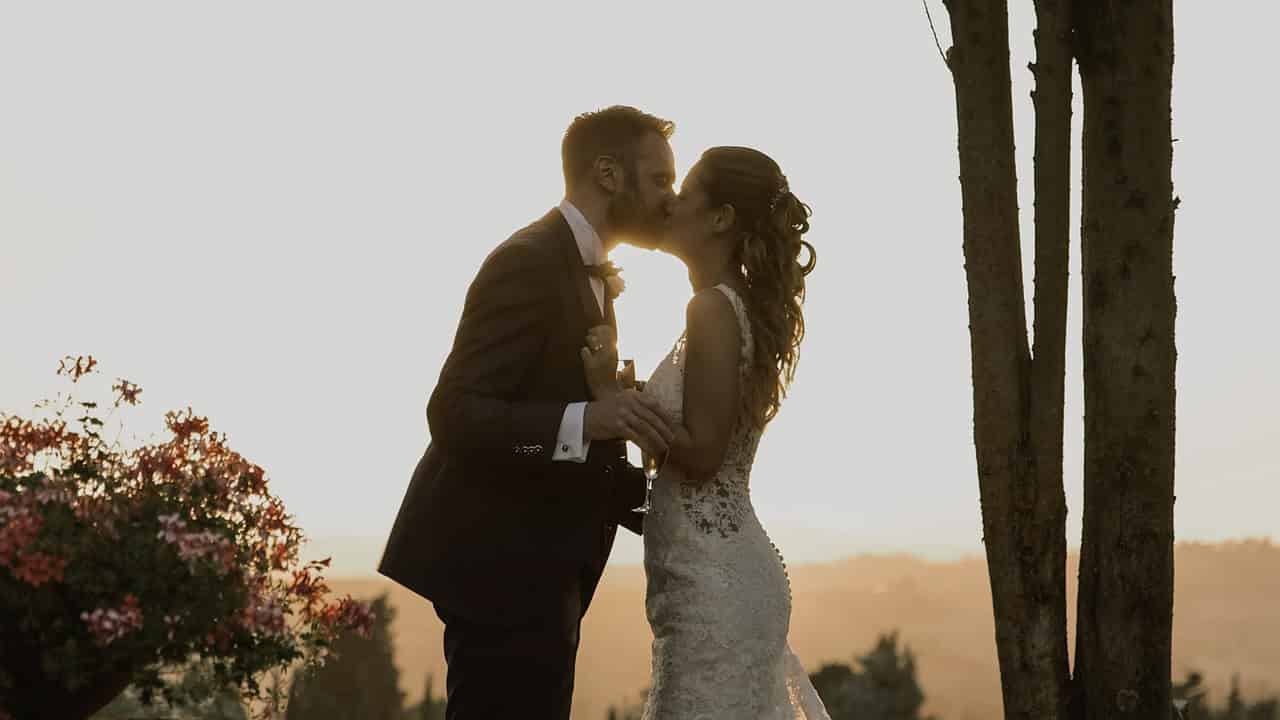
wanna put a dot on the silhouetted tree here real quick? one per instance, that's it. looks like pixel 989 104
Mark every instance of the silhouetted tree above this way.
pixel 430 708
pixel 1189 700
pixel 1188 697
pixel 1238 709
pixel 1125 54
pixel 360 683
pixel 1265 710
pixel 884 688
pixel 629 711
pixel 1235 703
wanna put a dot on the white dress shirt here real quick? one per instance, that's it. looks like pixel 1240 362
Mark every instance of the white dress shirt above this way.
pixel 570 444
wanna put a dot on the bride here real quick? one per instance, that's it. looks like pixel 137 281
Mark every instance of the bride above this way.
pixel 718 599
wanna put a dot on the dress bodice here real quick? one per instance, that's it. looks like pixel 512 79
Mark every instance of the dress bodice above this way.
pixel 722 504
pixel 718 598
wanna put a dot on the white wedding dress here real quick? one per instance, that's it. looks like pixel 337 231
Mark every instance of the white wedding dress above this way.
pixel 719 600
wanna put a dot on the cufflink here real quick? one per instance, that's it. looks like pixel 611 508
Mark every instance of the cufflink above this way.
pixel 564 447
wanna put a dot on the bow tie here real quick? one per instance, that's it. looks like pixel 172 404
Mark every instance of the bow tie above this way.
pixel 604 270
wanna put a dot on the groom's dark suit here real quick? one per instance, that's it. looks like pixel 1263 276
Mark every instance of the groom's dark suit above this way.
pixel 507 543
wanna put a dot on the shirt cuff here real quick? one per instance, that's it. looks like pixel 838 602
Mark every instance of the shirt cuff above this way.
pixel 570 446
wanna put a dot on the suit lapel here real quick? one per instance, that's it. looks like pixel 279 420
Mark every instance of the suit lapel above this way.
pixel 577 272
pixel 590 308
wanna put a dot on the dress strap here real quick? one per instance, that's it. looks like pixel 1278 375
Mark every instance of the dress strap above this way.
pixel 744 322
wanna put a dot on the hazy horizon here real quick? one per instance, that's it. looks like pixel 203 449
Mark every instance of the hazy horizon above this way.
pixel 270 212
pixel 940 610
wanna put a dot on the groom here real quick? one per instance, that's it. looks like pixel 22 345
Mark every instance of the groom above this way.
pixel 511 513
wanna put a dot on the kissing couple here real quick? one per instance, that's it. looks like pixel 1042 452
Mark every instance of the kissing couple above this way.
pixel 510 515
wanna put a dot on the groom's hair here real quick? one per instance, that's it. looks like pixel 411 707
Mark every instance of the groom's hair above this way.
pixel 612 131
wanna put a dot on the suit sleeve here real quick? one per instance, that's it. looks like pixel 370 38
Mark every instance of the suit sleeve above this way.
pixel 505 324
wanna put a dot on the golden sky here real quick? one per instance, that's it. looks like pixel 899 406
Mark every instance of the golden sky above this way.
pixel 271 211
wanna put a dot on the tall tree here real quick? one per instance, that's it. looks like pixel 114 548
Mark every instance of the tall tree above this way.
pixel 1125 53
pixel 1126 577
pixel 1017 397
pixel 360 683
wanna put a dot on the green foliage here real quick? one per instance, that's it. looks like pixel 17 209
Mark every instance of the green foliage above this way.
pixel 884 688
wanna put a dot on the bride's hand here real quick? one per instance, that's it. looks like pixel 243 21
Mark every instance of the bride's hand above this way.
pixel 600 361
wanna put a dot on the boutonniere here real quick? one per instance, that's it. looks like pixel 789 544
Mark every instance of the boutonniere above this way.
pixel 611 275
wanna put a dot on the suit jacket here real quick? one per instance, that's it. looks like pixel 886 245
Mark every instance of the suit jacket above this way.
pixel 490 527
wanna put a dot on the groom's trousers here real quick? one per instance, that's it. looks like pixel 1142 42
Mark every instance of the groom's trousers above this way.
pixel 513 670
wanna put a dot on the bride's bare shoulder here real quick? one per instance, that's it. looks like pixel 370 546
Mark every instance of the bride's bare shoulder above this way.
pixel 711 312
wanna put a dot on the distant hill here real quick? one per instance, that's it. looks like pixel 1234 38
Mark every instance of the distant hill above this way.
pixel 1226 620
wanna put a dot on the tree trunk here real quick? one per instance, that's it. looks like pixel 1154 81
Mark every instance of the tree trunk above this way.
pixel 1045 557
pixel 1046 562
pixel 1124 638
pixel 1017 402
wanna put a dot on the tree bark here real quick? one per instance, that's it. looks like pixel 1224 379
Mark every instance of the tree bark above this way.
pixel 1124 638
pixel 1017 402
pixel 1045 557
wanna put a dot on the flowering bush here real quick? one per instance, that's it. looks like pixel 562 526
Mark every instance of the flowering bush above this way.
pixel 118 563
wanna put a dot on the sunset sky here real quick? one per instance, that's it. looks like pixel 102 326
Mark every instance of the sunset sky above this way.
pixel 270 211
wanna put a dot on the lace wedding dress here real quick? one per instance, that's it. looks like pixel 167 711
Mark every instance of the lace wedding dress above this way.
pixel 719 600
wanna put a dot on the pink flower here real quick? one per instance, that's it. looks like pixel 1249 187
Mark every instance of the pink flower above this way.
pixel 110 624
pixel 20 528
pixel 193 546
pixel 349 614
pixel 265 615
pixel 36 569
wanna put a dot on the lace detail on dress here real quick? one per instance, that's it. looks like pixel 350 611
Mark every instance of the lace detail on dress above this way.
pixel 718 599
pixel 719 505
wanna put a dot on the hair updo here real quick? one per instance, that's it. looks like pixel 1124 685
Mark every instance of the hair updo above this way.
pixel 773 260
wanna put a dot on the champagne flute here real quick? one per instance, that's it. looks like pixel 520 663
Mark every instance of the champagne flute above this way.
pixel 652 467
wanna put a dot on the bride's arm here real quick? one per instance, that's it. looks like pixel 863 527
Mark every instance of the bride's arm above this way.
pixel 712 387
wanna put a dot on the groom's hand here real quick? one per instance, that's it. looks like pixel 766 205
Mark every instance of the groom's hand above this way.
pixel 629 415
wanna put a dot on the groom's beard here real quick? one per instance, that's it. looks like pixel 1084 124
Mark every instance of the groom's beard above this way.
pixel 634 223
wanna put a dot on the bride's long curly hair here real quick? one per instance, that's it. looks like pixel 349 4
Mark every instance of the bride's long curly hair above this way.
pixel 773 260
